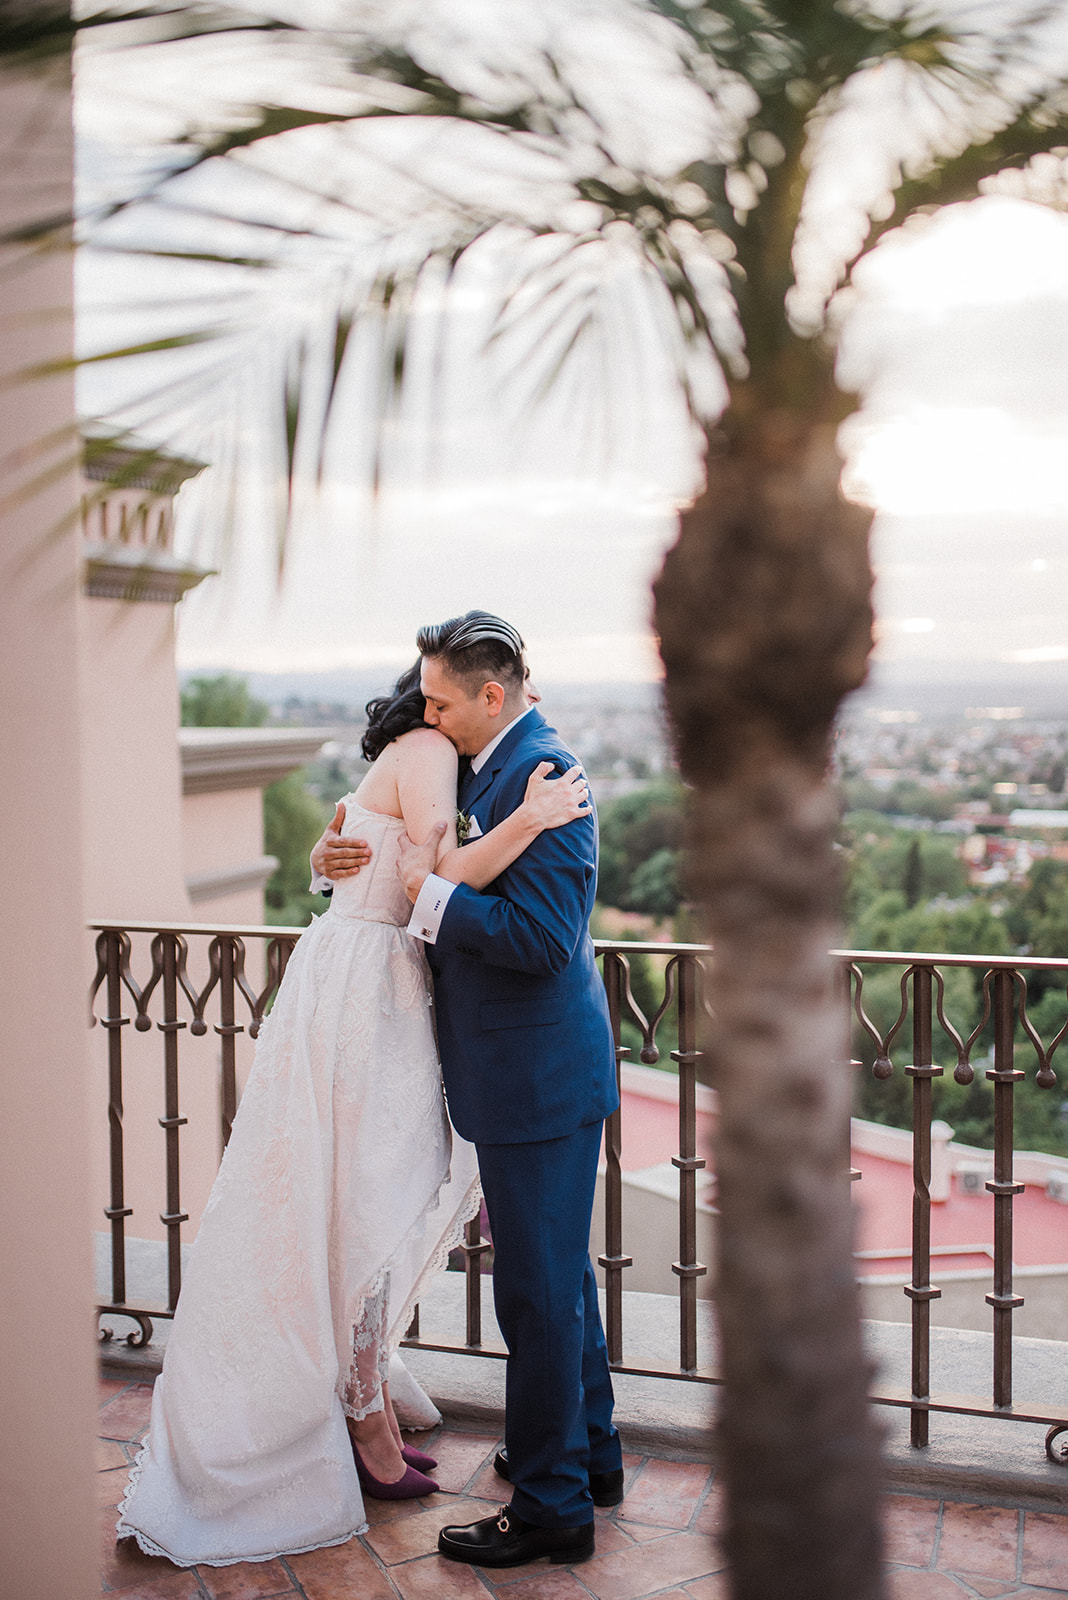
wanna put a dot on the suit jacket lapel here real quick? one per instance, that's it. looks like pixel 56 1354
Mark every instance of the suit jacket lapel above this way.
pixel 474 784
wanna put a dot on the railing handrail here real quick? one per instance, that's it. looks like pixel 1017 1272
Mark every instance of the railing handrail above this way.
pixel 652 947
pixel 240 930
pixel 941 959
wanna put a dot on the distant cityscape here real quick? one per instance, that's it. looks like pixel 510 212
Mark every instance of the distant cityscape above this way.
pixel 618 731
pixel 983 759
pixel 979 754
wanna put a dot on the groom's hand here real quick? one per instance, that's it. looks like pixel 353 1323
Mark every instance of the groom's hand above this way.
pixel 415 861
pixel 335 857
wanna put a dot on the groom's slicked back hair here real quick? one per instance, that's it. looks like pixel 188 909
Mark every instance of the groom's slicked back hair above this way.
pixel 476 648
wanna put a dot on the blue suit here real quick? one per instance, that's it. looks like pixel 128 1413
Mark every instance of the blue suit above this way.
pixel 529 1068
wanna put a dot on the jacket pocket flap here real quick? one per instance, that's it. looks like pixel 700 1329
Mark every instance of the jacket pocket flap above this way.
pixel 520 1013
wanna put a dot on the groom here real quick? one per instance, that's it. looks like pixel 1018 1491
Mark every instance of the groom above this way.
pixel 529 1069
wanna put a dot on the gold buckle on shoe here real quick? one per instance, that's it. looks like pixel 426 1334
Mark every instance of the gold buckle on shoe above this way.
pixel 502 1520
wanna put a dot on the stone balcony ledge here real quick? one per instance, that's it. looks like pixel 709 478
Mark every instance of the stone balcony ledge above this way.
pixel 214 759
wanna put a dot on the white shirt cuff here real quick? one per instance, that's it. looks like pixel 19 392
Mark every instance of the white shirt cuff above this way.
pixel 429 908
pixel 319 883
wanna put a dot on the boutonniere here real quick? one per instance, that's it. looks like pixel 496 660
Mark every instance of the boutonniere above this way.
pixel 463 827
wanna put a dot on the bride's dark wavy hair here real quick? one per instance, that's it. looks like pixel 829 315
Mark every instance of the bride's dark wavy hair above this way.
pixel 395 713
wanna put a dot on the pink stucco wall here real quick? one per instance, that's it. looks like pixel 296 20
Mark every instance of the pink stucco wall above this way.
pixel 132 817
pixel 48 1397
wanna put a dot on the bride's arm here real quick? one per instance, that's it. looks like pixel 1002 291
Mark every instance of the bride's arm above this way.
pixel 425 766
pixel 548 803
pixel 426 789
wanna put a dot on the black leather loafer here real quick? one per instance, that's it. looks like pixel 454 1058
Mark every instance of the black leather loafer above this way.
pixel 507 1541
pixel 606 1488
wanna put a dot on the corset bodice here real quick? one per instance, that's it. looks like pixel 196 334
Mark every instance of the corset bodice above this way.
pixel 375 894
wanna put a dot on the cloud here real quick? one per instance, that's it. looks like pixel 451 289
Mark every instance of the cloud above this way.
pixel 1051 652
pixel 571 563
pixel 958 459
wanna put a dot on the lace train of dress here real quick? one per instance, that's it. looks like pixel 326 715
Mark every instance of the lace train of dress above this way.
pixel 335 1196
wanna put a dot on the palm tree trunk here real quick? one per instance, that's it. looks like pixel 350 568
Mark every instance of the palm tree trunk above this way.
pixel 764 612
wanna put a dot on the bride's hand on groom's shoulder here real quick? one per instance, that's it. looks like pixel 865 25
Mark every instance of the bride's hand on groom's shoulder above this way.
pixel 552 800
pixel 334 857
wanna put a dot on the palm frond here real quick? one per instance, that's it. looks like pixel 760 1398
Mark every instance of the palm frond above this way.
pixel 49 369
pixel 268 123
pixel 960 176
pixel 294 401
pixel 345 315
pixel 34 33
pixel 712 245
pixel 216 258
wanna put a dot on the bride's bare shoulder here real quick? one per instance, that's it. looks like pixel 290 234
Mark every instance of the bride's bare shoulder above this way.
pixel 425 745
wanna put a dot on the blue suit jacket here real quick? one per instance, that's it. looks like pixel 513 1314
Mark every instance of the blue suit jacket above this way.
pixel 523 1030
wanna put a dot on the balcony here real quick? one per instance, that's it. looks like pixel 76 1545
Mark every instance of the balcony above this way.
pixel 659 1543
pixel 973 1413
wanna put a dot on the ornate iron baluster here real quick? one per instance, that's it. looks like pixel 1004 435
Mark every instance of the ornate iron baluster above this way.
pixel 169 954
pixel 1045 1077
pixel 649 1054
pixel 963 1072
pixel 474 1248
pixel 279 950
pixel 882 1067
pixel 688 1269
pixel 113 952
pixel 614 1262
pixel 1003 1075
pixel 231 954
pixel 844 986
pixel 921 1291
pixel 1057 1453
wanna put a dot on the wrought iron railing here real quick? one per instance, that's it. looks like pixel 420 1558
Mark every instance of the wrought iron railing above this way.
pixel 166 985
pixel 678 1008
pixel 159 987
pixel 171 1001
pixel 1005 1031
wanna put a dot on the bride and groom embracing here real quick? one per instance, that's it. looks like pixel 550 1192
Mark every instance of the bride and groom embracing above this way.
pixel 343 1188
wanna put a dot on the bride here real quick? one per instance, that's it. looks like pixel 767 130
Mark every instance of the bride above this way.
pixel 334 1203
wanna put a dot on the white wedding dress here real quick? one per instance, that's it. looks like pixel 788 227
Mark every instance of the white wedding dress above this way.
pixel 333 1205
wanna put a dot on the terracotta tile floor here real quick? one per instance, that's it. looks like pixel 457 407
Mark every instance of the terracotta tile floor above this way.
pixel 660 1541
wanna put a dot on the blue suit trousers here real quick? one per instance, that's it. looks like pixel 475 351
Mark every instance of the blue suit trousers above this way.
pixel 558 1409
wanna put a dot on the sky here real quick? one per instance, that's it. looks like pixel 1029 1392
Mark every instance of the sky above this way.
pixel 556 512
pixel 963 442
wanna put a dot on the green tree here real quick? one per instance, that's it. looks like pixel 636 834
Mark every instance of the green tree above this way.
pixel 890 871
pixel 293 817
pixel 292 821
pixel 881 857
pixel 221 702
pixel 913 875
pixel 905 798
pixel 635 829
pixel 887 923
pixel 654 887
pixel 1037 913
